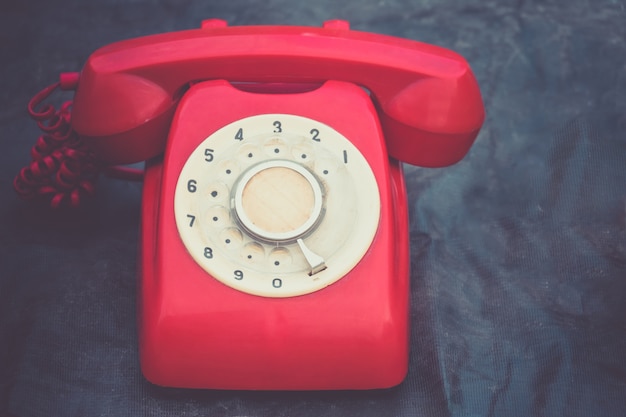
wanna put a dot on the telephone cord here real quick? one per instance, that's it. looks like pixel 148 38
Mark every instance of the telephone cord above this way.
pixel 62 171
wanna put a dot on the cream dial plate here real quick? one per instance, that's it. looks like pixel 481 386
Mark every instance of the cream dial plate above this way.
pixel 277 205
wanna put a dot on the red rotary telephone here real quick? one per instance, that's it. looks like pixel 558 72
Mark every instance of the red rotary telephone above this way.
pixel 274 234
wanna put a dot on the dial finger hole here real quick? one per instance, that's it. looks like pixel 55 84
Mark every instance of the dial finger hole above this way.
pixel 303 153
pixel 228 170
pixel 280 257
pixel 218 216
pixel 275 147
pixel 326 167
pixel 231 238
pixel 249 154
pixel 253 252
pixel 217 192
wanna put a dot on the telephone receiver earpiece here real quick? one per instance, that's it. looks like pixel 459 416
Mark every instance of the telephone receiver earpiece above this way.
pixel 428 100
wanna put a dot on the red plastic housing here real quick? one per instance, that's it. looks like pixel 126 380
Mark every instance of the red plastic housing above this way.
pixel 195 332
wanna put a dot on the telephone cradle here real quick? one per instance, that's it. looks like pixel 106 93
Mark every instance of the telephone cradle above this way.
pixel 274 244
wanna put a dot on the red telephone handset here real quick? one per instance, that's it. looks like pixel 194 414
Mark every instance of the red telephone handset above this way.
pixel 427 98
pixel 274 235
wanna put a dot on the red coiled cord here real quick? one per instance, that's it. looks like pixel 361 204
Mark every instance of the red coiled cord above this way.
pixel 62 170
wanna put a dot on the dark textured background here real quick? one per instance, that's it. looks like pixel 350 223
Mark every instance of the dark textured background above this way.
pixel 519 251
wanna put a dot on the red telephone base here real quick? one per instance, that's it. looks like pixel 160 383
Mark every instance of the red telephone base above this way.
pixel 196 332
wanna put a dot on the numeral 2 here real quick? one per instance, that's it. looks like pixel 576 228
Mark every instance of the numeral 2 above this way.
pixel 315 135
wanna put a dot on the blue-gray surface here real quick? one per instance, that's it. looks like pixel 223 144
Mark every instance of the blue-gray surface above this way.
pixel 519 251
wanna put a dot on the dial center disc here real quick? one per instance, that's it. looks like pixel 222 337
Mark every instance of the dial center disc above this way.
pixel 278 200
